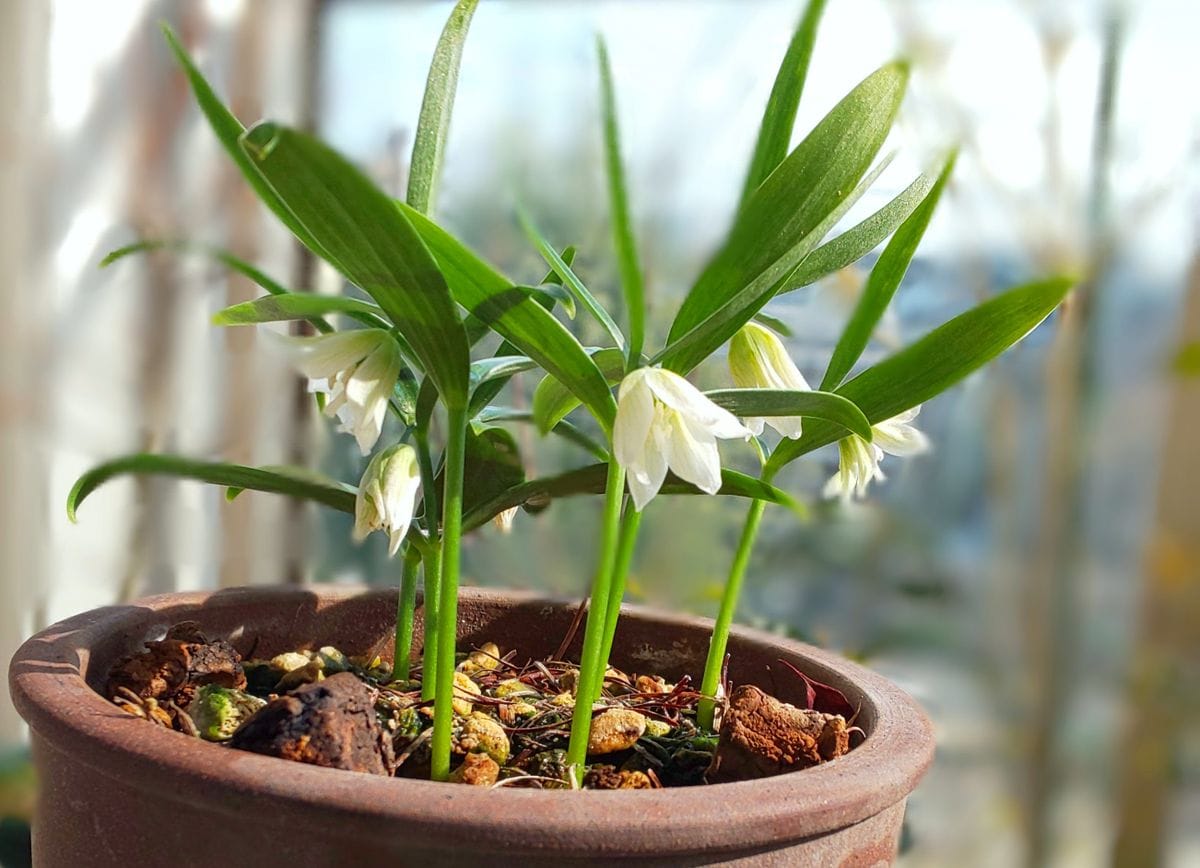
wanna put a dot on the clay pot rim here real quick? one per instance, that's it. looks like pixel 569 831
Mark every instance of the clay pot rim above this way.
pixel 52 696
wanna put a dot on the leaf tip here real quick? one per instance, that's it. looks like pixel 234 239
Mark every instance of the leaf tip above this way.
pixel 261 139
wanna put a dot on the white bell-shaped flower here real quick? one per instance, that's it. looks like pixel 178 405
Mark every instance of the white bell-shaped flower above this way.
pixel 759 360
pixel 858 460
pixel 387 495
pixel 664 421
pixel 357 369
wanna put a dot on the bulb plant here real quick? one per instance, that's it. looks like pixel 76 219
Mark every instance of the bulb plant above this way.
pixel 413 351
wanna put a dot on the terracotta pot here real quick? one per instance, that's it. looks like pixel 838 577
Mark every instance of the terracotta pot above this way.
pixel 116 791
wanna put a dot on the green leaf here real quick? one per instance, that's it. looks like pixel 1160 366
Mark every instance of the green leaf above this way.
pixel 774 323
pixel 429 144
pixel 372 243
pixel 330 493
pixel 856 242
pixel 570 280
pixel 223 256
pixel 229 130
pixel 881 286
pixel 537 494
pixel 936 362
pixel 290 306
pixel 492 465
pixel 530 328
pixel 775 133
pixel 782 402
pixel 489 375
pixel 552 401
pixel 554 293
pixel 565 429
pixel 780 222
pixel 299 474
pixel 622 224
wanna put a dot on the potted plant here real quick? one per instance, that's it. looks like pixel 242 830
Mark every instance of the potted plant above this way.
pixel 752 749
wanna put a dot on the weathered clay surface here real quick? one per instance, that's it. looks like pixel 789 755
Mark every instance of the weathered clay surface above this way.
pixel 328 723
pixel 116 791
pixel 761 736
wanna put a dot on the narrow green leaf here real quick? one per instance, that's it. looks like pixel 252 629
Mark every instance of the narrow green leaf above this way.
pixel 330 493
pixel 554 293
pixel 570 280
pixel 565 429
pixel 429 144
pixel 936 362
pixel 775 133
pixel 781 402
pixel 856 242
pixel 552 401
pixel 299 474
pixel 777 228
pixel 622 224
pixel 290 306
pixel 226 258
pixel 881 286
pixel 492 465
pixel 229 130
pixel 537 494
pixel 372 243
pixel 774 323
pixel 530 328
pixel 489 375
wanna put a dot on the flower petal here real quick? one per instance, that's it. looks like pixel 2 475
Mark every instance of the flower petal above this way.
pixel 692 453
pixel 635 416
pixel 322 356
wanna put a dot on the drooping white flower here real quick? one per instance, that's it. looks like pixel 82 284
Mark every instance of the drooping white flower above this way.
pixel 759 360
pixel 858 460
pixel 357 369
pixel 387 495
pixel 664 421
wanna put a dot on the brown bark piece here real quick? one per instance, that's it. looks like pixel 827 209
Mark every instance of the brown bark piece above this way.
pixel 329 723
pixel 761 736
pixel 173 667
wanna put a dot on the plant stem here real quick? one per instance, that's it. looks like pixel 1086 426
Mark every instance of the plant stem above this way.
pixel 729 601
pixel 433 564
pixel 443 710
pixel 630 522
pixel 591 668
pixel 406 603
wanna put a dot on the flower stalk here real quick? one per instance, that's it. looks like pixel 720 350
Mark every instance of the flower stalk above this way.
pixel 443 711
pixel 405 609
pixel 729 601
pixel 591 666
pixel 630 522
pixel 432 558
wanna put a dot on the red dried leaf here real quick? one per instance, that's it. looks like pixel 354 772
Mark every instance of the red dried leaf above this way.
pixel 823 697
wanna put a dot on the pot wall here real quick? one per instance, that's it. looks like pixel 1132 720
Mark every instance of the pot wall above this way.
pixel 117 791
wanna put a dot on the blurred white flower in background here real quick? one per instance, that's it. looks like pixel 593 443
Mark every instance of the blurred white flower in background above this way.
pixel 858 460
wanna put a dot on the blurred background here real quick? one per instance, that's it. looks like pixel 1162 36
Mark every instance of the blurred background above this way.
pixel 1034 580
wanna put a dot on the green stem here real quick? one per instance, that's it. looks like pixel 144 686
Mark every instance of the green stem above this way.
pixel 630 522
pixel 729 601
pixel 591 669
pixel 443 710
pixel 406 604
pixel 433 561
